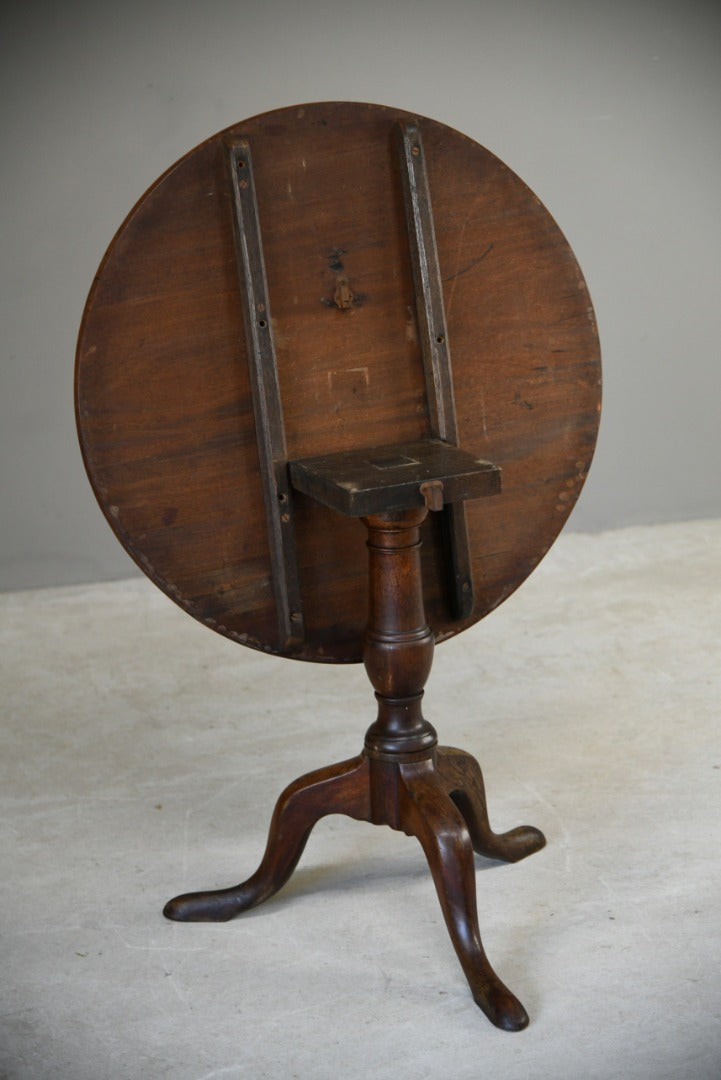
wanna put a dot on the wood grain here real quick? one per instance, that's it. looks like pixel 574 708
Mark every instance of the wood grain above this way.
pixel 163 393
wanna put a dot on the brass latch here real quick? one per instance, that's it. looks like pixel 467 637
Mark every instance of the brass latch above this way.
pixel 432 492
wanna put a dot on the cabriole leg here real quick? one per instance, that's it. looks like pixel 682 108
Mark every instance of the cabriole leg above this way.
pixel 428 813
pixel 337 789
pixel 461 776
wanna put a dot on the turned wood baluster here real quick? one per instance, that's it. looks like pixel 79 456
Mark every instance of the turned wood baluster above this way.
pixel 398 647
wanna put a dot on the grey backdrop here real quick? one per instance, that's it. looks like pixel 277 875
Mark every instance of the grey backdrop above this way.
pixel 610 111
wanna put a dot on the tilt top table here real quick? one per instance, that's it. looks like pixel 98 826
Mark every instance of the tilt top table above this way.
pixel 328 319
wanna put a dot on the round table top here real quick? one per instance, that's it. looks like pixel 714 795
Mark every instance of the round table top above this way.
pixel 164 397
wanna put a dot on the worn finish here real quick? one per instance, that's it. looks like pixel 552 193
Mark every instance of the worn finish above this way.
pixel 265 388
pixel 435 353
pixel 164 394
pixel 397 477
pixel 430 314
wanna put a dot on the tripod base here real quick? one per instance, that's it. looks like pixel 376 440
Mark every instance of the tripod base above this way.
pixel 437 796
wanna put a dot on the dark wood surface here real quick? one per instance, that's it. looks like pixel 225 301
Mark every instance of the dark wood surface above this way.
pixel 438 798
pixel 163 392
pixel 396 477
pixel 402 779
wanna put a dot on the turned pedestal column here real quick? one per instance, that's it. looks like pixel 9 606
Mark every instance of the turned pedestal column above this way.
pixel 402 778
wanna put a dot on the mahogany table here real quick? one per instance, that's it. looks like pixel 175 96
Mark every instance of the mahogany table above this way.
pixel 327 323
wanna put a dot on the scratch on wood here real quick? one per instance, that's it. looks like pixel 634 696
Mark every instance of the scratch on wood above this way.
pixel 470 265
pixel 483 411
